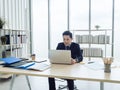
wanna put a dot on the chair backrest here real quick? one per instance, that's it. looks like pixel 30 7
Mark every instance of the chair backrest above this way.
pixel 81 50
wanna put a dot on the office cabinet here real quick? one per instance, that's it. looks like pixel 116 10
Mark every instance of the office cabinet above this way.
pixel 95 43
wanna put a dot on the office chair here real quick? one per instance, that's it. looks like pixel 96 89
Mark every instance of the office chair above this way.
pixel 61 87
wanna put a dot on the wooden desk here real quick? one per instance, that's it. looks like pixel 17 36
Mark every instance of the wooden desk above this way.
pixel 77 71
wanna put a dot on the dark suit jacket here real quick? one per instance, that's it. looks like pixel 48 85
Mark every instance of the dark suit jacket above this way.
pixel 75 50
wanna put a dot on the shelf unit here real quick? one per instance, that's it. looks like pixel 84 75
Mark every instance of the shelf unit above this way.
pixel 14 43
pixel 95 43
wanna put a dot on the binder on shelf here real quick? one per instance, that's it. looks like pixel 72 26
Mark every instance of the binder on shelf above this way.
pixel 7 39
pixel 97 39
pixel 101 39
pixel 92 52
pixel 23 39
pixel 107 39
pixel 18 39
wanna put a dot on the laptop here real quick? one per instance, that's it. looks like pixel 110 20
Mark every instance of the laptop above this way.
pixel 60 56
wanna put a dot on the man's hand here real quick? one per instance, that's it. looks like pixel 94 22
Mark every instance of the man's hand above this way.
pixel 73 61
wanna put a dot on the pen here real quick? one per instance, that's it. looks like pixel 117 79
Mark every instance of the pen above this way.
pixel 40 61
pixel 36 61
pixel 108 60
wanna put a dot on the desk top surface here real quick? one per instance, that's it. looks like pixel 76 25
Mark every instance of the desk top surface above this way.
pixel 76 71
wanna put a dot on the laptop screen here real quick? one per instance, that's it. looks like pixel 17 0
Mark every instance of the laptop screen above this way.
pixel 60 56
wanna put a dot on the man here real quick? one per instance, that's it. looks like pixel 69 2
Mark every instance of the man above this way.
pixel 76 57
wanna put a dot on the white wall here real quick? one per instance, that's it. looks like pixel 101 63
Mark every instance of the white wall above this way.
pixel 79 13
pixel 40 28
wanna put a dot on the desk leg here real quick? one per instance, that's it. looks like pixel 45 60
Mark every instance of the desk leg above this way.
pixel 12 81
pixel 101 85
pixel 28 82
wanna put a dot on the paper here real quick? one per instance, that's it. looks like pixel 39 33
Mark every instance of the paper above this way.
pixel 39 66
pixel 95 66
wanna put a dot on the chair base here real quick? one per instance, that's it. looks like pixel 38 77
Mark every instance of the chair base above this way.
pixel 61 87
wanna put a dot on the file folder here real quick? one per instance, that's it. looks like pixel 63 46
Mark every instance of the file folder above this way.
pixel 10 60
pixel 16 63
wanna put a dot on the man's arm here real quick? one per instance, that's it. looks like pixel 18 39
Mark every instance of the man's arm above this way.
pixel 59 46
pixel 79 56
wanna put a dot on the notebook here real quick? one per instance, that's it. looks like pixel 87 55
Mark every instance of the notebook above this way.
pixel 39 67
pixel 60 56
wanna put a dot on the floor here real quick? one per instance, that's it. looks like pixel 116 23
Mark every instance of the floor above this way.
pixel 40 83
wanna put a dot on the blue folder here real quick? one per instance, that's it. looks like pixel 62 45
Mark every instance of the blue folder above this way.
pixel 16 62
pixel 10 60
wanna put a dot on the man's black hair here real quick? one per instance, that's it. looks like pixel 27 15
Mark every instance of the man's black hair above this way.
pixel 67 33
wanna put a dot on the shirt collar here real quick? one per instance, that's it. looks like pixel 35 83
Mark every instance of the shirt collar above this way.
pixel 69 45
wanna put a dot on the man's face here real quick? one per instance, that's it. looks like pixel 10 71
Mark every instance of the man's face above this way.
pixel 67 40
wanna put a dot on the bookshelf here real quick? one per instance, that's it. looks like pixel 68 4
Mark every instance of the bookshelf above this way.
pixel 13 43
pixel 95 43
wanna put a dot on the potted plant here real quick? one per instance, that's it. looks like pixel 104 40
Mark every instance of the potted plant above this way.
pixel 2 22
pixel 97 27
pixel 3 38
